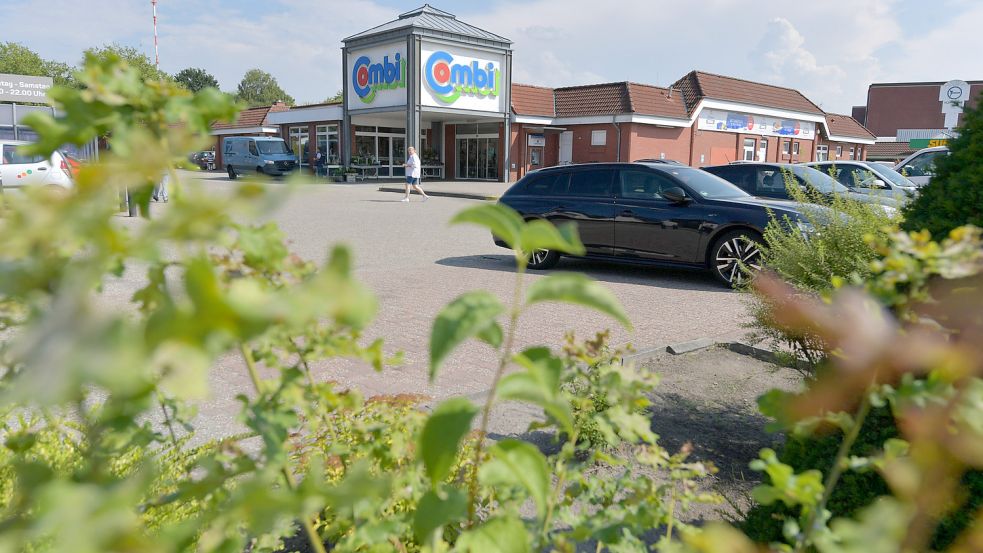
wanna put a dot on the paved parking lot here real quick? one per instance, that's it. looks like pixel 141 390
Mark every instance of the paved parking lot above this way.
pixel 416 263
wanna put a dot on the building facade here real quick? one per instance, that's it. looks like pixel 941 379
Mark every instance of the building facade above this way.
pixel 905 117
pixel 428 80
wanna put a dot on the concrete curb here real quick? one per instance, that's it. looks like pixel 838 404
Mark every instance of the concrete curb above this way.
pixel 465 195
pixel 692 345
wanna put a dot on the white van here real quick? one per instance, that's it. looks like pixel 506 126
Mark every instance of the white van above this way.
pixel 18 170
pixel 919 167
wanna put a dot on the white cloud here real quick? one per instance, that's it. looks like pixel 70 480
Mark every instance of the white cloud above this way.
pixel 830 50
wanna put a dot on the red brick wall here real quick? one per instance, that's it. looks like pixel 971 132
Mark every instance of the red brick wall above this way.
pixel 807 150
pixel 650 142
pixel 716 147
pixel 583 152
pixel 860 150
pixel 890 108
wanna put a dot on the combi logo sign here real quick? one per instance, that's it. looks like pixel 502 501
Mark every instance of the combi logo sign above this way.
pixel 368 78
pixel 449 80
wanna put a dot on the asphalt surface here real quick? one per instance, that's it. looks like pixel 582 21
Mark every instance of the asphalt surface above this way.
pixel 416 263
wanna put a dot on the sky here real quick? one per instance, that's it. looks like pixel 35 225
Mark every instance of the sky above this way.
pixel 831 50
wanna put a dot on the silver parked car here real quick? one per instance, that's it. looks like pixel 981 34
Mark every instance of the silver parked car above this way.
pixel 18 170
pixel 919 167
pixel 867 177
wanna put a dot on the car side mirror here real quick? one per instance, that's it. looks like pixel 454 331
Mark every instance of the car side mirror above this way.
pixel 675 195
pixel 878 183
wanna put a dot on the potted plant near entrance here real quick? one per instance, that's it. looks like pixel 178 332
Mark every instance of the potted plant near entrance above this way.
pixel 350 174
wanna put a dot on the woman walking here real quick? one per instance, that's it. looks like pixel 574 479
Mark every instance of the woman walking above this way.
pixel 412 166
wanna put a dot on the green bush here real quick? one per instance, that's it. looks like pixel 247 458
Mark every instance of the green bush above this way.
pixel 834 245
pixel 954 196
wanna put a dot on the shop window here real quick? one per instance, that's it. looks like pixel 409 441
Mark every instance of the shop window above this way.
pixel 598 138
pixel 795 148
pixel 786 147
pixel 327 143
pixel 822 153
pixel 839 152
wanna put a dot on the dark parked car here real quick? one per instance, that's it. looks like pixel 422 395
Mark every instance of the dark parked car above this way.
pixel 767 180
pixel 651 213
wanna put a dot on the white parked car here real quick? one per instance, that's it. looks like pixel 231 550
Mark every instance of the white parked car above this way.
pixel 919 167
pixel 18 170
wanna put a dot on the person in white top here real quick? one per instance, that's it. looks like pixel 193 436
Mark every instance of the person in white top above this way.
pixel 412 166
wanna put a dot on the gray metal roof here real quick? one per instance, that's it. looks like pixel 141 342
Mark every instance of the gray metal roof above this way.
pixel 427 18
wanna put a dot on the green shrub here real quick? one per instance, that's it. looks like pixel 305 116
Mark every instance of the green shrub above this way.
pixel 834 245
pixel 954 196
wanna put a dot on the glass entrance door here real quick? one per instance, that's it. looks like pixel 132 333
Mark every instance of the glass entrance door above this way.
pixel 477 158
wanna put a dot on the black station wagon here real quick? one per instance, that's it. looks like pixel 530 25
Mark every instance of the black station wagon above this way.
pixel 651 213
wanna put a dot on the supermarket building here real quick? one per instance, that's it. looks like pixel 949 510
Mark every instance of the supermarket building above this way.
pixel 429 80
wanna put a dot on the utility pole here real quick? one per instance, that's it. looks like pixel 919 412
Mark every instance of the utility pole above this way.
pixel 156 53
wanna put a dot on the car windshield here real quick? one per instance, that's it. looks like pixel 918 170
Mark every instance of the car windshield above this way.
pixel 889 174
pixel 822 182
pixel 706 185
pixel 272 147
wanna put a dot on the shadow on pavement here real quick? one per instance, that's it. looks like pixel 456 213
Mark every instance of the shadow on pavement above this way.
pixel 727 435
pixel 612 273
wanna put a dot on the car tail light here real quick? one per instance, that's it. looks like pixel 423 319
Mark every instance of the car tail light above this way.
pixel 66 169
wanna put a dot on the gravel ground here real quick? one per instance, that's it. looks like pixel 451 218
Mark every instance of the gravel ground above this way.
pixel 708 398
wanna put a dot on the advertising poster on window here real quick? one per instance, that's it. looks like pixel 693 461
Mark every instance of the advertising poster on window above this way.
pixel 462 78
pixel 377 76
pixel 746 123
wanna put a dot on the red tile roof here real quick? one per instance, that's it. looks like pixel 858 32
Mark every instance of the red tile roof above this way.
pixel 654 100
pixel 889 151
pixel 252 117
pixel 593 99
pixel 532 100
pixel 697 85
pixel 597 99
pixel 844 125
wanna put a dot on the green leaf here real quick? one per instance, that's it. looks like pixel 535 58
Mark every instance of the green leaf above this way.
pixel 471 314
pixel 441 436
pixel 517 463
pixel 577 289
pixel 436 510
pixel 498 535
pixel 539 384
pixel 543 235
pixel 500 219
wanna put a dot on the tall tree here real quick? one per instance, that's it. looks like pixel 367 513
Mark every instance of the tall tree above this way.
pixel 337 97
pixel 20 60
pixel 259 88
pixel 195 79
pixel 135 58
pixel 954 196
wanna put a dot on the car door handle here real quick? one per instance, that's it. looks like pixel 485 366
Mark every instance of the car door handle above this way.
pixel 42 168
pixel 627 213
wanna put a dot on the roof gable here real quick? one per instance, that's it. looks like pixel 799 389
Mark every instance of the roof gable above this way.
pixel 247 118
pixel 845 125
pixel 697 85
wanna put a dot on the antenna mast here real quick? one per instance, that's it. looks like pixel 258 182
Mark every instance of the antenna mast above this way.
pixel 156 53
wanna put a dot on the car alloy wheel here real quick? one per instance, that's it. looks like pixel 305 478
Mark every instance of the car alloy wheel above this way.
pixel 543 259
pixel 733 256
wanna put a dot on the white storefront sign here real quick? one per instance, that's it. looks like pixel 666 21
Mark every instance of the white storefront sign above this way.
pixel 746 123
pixel 953 96
pixel 462 78
pixel 377 76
